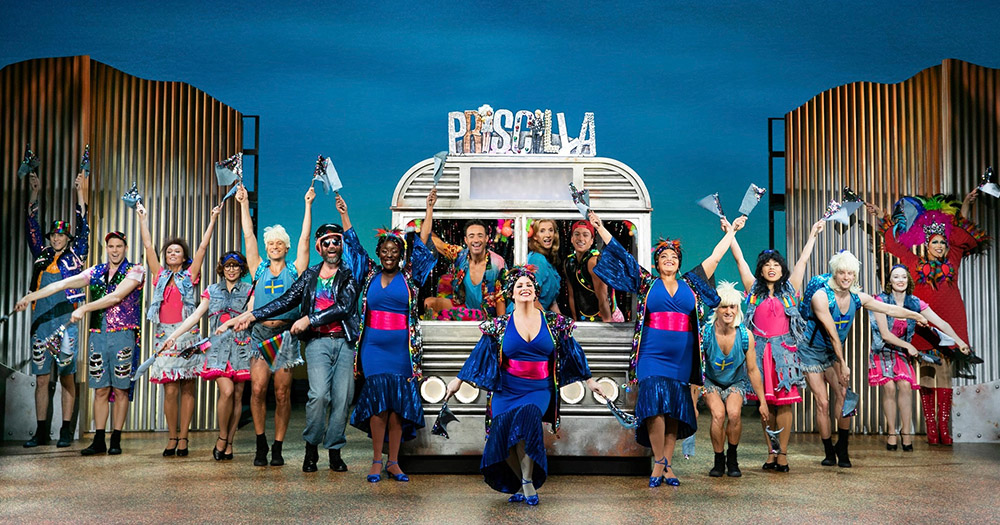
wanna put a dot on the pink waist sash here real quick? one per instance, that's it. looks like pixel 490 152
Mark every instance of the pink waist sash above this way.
pixel 527 369
pixel 672 321
pixel 380 320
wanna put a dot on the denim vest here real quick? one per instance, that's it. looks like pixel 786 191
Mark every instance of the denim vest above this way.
pixel 221 300
pixel 910 302
pixel 182 280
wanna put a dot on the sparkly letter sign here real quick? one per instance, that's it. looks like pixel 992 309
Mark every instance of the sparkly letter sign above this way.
pixel 484 131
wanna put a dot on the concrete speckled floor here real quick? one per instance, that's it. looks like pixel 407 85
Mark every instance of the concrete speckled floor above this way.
pixel 46 484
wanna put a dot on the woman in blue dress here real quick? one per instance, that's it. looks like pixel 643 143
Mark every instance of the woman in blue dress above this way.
pixel 389 346
pixel 522 359
pixel 665 361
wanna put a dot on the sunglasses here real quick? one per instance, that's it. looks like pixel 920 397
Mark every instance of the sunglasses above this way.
pixel 333 241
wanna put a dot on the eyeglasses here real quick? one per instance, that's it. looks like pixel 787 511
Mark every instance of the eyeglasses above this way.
pixel 232 265
pixel 333 241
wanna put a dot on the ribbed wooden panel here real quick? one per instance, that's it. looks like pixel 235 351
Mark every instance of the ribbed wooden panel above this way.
pixel 885 141
pixel 162 135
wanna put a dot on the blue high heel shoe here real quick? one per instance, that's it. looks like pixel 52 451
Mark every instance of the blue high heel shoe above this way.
pixel 397 477
pixel 532 499
pixel 656 481
pixel 673 482
pixel 375 478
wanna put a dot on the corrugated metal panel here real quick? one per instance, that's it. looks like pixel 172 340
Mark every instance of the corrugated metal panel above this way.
pixel 973 94
pixel 162 135
pixel 884 141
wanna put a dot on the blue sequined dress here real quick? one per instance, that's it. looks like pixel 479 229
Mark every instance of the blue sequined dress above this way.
pixel 522 377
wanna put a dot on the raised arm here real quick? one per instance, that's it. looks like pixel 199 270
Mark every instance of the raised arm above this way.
pixel 821 308
pixel 712 262
pixel 968 201
pixel 426 226
pixel 152 260
pixel 249 239
pixel 746 274
pixel 186 325
pixel 77 281
pixel 199 254
pixel 890 244
pixel 616 266
pixel 302 250
pixel 33 229
pixel 81 241
pixel 345 218
pixel 799 270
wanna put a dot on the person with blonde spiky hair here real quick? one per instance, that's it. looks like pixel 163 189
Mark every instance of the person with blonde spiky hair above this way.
pixel 833 302
pixel 730 368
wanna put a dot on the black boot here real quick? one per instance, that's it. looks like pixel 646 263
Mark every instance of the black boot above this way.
pixel 720 465
pixel 312 456
pixel 115 447
pixel 732 466
pixel 41 435
pixel 260 459
pixel 97 447
pixel 831 453
pixel 276 459
pixel 337 464
pixel 65 435
pixel 843 460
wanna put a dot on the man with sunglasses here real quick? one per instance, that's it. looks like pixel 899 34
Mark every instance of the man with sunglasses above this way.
pixel 326 295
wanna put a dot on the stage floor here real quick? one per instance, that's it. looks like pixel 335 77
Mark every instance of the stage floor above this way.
pixel 46 484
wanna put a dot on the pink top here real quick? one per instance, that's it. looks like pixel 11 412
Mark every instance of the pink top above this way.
pixel 172 307
pixel 898 327
pixel 769 319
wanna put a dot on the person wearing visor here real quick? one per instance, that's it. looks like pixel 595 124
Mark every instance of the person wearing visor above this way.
pixel 60 259
pixel 327 296
pixel 114 308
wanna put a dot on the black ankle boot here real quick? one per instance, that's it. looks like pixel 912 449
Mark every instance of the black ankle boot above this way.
pixel 65 435
pixel 732 465
pixel 831 453
pixel 843 460
pixel 720 465
pixel 41 436
pixel 97 447
pixel 260 458
pixel 337 464
pixel 310 459
pixel 115 447
pixel 276 459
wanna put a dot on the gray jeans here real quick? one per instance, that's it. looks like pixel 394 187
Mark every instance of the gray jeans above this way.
pixel 330 363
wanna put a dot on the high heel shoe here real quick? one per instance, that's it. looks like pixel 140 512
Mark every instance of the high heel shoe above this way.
pixel 375 478
pixel 781 468
pixel 229 455
pixel 891 446
pixel 217 454
pixel 656 481
pixel 673 482
pixel 532 499
pixel 397 477
pixel 182 451
pixel 906 448
pixel 167 452
pixel 516 498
